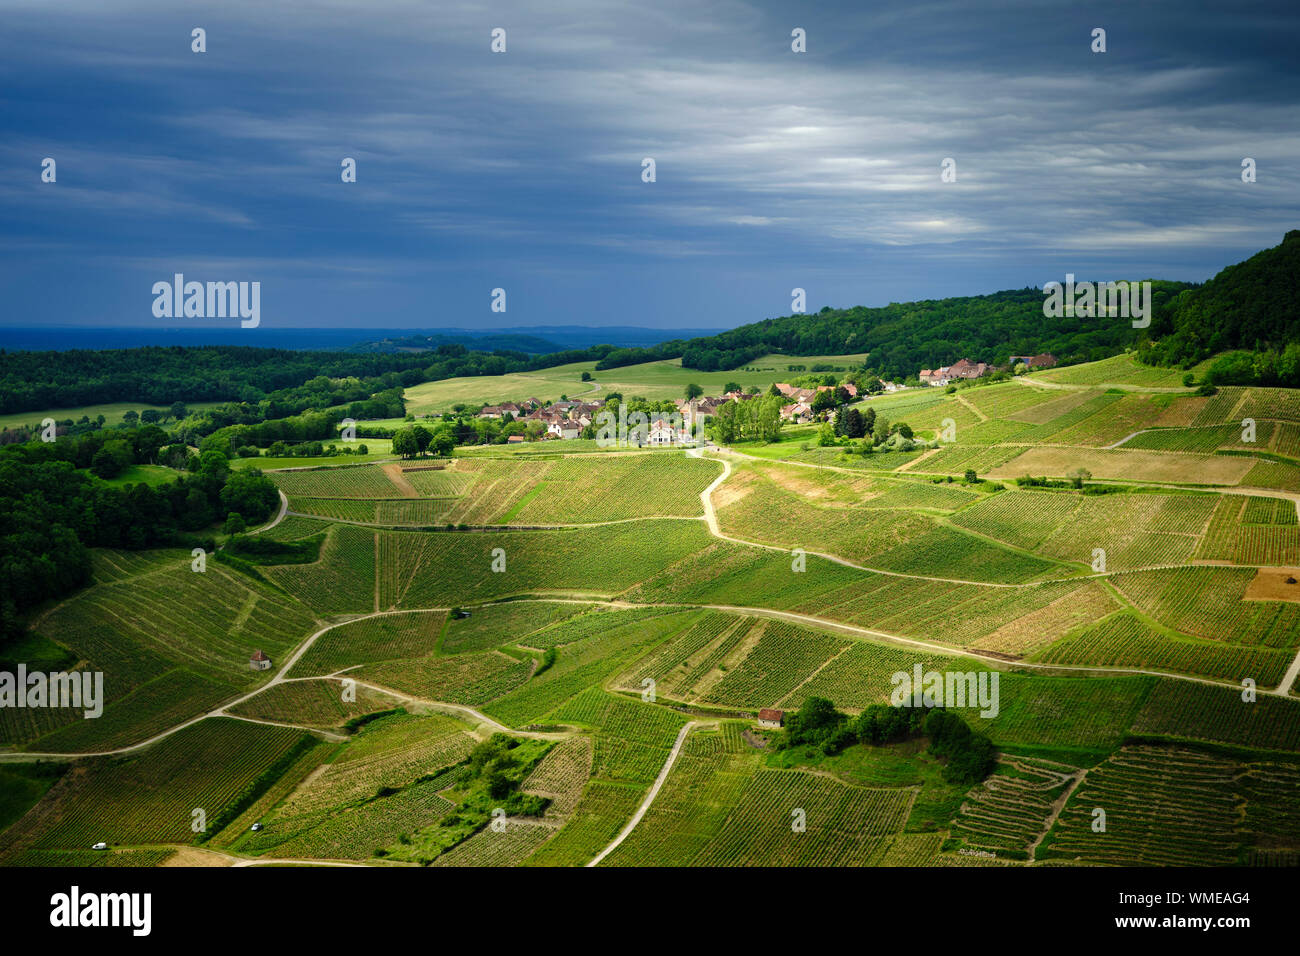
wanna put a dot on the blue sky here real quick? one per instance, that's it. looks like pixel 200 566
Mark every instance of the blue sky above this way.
pixel 522 170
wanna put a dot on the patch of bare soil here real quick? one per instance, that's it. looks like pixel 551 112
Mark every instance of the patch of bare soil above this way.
pixel 1275 584
pixel 755 741
pixel 810 484
pixel 394 473
pixel 193 856
pixel 736 488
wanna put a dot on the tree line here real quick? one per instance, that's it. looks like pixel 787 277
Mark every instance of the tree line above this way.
pixel 1250 310
pixel 58 507
pixel 160 375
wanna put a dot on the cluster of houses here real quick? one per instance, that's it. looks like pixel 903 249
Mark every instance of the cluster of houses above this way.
pixel 800 409
pixel 568 419
pixel 965 368
pixel 563 419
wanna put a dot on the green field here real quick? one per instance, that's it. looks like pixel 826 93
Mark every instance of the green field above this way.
pixel 652 380
pixel 152 475
pixel 582 604
pixel 112 412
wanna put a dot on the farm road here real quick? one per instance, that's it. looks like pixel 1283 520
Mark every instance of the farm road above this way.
pixel 649 797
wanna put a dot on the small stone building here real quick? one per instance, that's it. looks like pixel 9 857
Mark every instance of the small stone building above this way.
pixel 259 662
pixel 772 719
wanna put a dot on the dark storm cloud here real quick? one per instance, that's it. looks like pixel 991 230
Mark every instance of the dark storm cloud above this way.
pixel 522 170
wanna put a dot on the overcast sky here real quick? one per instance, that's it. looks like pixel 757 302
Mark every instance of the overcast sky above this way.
pixel 522 170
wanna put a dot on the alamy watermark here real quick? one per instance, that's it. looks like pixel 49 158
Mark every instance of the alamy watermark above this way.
pixel 75 908
pixel 214 300
pixel 639 429
pixel 83 689
pixel 1124 299
pixel 949 689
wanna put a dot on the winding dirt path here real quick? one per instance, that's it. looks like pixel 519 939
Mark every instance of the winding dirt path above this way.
pixel 649 797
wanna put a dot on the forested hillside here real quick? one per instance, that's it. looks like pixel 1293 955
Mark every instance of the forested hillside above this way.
pixel 1253 305
pixel 160 375
pixel 903 338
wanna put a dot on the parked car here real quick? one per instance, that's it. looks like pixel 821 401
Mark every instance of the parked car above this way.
pixel 255 827
pixel 100 846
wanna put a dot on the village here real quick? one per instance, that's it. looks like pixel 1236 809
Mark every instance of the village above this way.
pixel 569 419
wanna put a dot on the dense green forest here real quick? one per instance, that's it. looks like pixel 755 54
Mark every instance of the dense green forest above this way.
pixel 57 506
pixel 903 338
pixel 160 375
pixel 1251 309
pixel 1252 306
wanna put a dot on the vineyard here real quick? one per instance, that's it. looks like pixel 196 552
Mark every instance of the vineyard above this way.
pixel 171 644
pixel 549 587
pixel 1010 811
pixel 1067 712
pixel 366 481
pixel 1254 531
pixel 601 812
pixel 342 581
pixel 632 739
pixel 712 812
pixel 1207 602
pixel 1219 715
pixel 470 679
pixel 1175 807
pixel 1124 640
pixel 785 656
pixel 514 622
pixel 587 662
pixel 1117 370
pixel 437 569
pixel 406 636
pixel 508 847
pixel 561 776
pixel 295 528
pixel 311 703
pixel 149 797
pixel 382 785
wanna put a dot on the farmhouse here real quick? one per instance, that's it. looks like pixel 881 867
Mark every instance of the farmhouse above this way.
pixel 797 412
pixel 965 368
pixel 767 717
pixel 1042 360
pixel 259 662
pixel 938 376
pixel 663 434
pixel 564 429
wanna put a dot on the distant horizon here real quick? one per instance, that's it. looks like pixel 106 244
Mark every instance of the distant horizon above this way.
pixel 61 338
